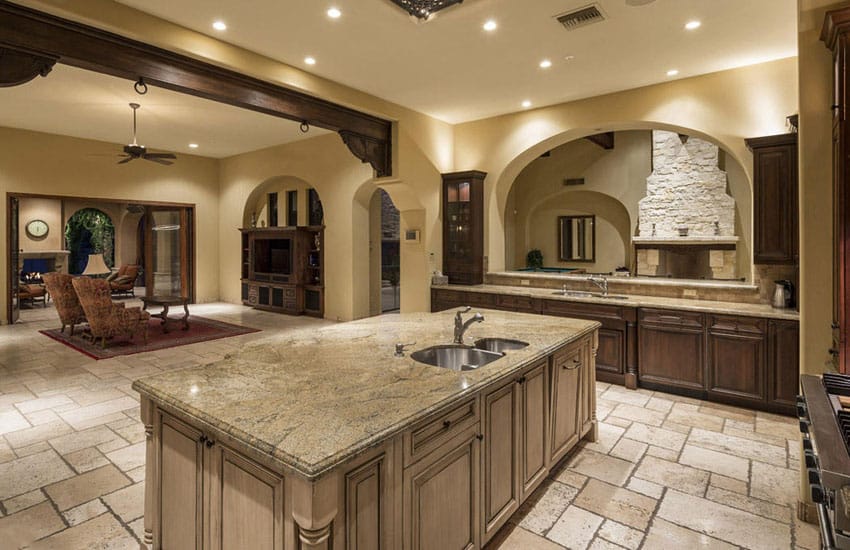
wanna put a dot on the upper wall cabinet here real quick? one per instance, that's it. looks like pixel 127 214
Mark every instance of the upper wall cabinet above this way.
pixel 775 240
pixel 463 227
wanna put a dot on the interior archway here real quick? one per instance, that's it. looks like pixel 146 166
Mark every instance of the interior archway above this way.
pixel 89 231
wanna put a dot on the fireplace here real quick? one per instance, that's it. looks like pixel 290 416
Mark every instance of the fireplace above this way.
pixel 32 264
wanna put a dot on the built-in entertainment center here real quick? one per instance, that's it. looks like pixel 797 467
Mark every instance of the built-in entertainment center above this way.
pixel 282 269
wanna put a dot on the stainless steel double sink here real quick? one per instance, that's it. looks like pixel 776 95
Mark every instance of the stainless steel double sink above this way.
pixel 460 357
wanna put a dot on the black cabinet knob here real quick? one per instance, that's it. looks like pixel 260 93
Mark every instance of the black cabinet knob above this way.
pixel 480 437
pixel 447 424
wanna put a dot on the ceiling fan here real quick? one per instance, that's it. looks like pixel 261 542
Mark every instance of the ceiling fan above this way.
pixel 136 151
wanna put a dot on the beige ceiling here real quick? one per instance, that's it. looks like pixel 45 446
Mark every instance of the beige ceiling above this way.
pixel 450 68
pixel 79 103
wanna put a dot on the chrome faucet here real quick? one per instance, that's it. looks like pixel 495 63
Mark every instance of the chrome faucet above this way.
pixel 461 326
pixel 601 282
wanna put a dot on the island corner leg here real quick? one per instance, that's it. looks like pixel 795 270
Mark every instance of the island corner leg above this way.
pixel 593 434
pixel 147 414
pixel 314 508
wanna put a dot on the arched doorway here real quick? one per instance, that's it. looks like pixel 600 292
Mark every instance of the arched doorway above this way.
pixel 385 254
pixel 89 231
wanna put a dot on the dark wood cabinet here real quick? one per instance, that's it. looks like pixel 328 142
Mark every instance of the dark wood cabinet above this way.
pixel 671 350
pixel 783 342
pixel 282 269
pixel 463 227
pixel 834 34
pixel 775 236
pixel 736 360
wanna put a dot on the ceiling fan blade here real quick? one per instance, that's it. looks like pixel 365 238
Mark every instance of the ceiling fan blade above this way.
pixel 125 161
pixel 158 160
pixel 160 155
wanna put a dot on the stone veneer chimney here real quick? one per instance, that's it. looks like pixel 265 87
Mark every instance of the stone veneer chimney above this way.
pixel 687 188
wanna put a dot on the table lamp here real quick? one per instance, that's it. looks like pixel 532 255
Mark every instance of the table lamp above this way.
pixel 96 266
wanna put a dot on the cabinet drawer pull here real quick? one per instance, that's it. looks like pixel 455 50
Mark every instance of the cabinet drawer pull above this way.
pixel 447 424
pixel 203 439
pixel 576 364
pixel 209 443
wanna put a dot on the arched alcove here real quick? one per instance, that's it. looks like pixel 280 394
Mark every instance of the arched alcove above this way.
pixel 89 231
pixel 620 173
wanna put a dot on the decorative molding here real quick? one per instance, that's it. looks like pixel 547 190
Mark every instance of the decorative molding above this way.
pixel 70 43
pixel 18 67
pixel 368 150
pixel 318 539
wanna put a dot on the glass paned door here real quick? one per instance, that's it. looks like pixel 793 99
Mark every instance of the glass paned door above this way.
pixel 168 258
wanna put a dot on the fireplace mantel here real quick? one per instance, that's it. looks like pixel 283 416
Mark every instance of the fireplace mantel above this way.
pixel 709 241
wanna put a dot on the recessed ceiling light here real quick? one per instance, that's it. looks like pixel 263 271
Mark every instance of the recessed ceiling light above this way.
pixel 220 26
pixel 334 13
pixel 193 146
pixel 310 60
pixel 526 104
pixel 569 57
pixel 693 25
pixel 545 64
pixel 490 26
pixel 672 72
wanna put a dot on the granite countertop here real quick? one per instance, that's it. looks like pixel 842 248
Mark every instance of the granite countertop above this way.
pixel 315 398
pixel 635 300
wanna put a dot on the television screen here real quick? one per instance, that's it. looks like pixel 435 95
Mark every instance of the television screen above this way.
pixel 273 256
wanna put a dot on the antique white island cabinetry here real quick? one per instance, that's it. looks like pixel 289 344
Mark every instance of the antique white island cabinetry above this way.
pixel 323 439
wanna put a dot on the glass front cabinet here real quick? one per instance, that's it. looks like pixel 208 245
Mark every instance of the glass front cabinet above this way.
pixel 463 227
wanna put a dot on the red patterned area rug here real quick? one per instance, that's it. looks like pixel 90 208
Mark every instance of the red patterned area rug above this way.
pixel 200 329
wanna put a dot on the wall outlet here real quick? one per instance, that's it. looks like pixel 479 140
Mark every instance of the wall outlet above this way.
pixel 689 293
pixel 524 282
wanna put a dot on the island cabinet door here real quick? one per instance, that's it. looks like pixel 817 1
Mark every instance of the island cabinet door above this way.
pixel 180 485
pixel 500 497
pixel 534 433
pixel 566 394
pixel 245 502
pixel 441 497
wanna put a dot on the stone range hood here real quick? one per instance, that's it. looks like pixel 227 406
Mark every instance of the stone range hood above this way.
pixel 686 193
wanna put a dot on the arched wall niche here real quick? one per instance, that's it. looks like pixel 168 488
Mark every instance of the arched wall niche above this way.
pixel 502 234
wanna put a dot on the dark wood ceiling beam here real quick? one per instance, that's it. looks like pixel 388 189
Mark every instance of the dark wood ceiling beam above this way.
pixel 606 140
pixel 48 37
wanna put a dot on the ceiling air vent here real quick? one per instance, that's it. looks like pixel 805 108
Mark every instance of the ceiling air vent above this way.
pixel 581 17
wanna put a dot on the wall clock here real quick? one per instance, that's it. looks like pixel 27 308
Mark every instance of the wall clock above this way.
pixel 37 229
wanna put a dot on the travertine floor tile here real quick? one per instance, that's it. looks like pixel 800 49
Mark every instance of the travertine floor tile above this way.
pixel 738 446
pixel 644 487
pixel 607 468
pixel 28 525
pixel 26 474
pixel 575 528
pixel 756 506
pixel 713 461
pixel 104 531
pixel 82 488
pixel 659 437
pixel 12 421
pixel 128 503
pixel 621 505
pixel 86 460
pixel 608 437
pixel 695 419
pixel 723 522
pixel 639 414
pixel 773 483
pixel 37 434
pixel 543 509
pixel 664 535
pixel 669 474
pixel 629 449
pixel 84 512
pixel 83 439
pixel 729 484
pixel 24 501
pixel 621 534
pixel 128 458
pixel 520 539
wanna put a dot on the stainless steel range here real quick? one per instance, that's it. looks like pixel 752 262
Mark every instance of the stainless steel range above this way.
pixel 825 425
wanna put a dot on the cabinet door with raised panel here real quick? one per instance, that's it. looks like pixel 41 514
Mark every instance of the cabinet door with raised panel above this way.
pixel 534 435
pixel 246 503
pixel 180 485
pixel 441 494
pixel 783 364
pixel 500 498
pixel 566 394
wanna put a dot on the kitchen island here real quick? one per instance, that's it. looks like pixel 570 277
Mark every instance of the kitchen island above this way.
pixel 325 439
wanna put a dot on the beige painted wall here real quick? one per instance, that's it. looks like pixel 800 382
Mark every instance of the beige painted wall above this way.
pixel 47 210
pixel 815 159
pixel 724 107
pixel 76 168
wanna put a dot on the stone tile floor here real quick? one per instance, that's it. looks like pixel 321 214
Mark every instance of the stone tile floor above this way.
pixel 667 472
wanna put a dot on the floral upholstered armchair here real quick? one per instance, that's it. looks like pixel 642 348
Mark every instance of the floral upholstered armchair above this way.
pixel 65 299
pixel 106 318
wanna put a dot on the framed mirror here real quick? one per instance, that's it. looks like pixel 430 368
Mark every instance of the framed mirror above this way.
pixel 577 238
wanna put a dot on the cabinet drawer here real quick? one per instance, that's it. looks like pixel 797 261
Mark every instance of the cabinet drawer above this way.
pixel 430 434
pixel 739 325
pixel 449 298
pixel 672 318
pixel 581 310
pixel 479 299
pixel 516 303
